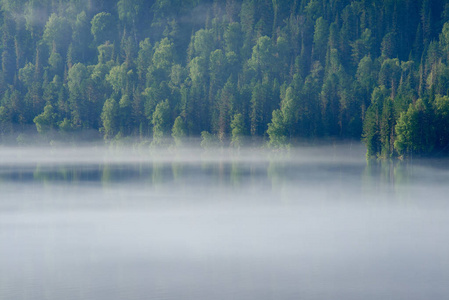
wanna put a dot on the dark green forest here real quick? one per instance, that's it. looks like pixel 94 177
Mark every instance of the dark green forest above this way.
pixel 276 71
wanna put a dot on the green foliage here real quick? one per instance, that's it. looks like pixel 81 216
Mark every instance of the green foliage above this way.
pixel 117 78
pixel 76 77
pixel 109 118
pixel 144 58
pixel 103 27
pixel 262 58
pixel 387 128
pixel 26 74
pixel 403 143
pixel 371 132
pixel 366 73
pixel 390 74
pixel 163 54
pixel 362 47
pixel 374 130
pixel 128 10
pixel 197 70
pixel 203 42
pixel 233 38
pixel 56 63
pixel 57 33
pixel 161 123
pixel 105 53
pixel 65 125
pixel 179 131
pixel 46 120
pixel 320 39
pixel 238 132
pixel 279 70
pixel 277 130
pixel 389 47
pixel 209 140
pixel 414 132
pixel 441 124
pixel 289 109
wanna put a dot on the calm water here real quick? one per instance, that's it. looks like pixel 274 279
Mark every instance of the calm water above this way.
pixel 317 223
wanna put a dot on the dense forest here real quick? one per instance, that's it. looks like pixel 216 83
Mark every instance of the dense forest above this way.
pixel 279 71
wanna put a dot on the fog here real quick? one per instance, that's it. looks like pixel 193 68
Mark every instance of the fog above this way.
pixel 96 222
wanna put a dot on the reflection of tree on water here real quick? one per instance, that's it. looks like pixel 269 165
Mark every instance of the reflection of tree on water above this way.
pixel 162 174
pixel 286 177
pixel 213 171
pixel 178 172
pixel 392 177
pixel 236 174
pixel 73 174
pixel 275 172
pixel 276 168
pixel 106 177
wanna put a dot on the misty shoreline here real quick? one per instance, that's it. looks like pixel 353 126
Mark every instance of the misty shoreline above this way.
pixel 195 145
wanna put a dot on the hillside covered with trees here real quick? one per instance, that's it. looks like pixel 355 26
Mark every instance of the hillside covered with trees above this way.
pixel 275 70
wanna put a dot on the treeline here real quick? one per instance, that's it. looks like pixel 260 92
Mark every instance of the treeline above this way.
pixel 277 70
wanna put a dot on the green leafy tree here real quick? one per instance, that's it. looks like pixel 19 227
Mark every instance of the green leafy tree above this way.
pixel 203 43
pixel 415 130
pixel 57 33
pixel 389 47
pixel 320 39
pixel 110 118
pixel 218 69
pixel 233 38
pixel 81 37
pixel 258 114
pixel 226 103
pixel 179 131
pixel 262 58
pixel 390 75
pixel 289 109
pixel 371 132
pixel 161 123
pixel 77 79
pixel 26 74
pixel 117 78
pixel 277 130
pixel 56 63
pixel 103 27
pixel 403 143
pixel 36 13
pixel 442 123
pixel 209 140
pixel 105 53
pixel 387 129
pixel 163 60
pixel 372 124
pixel 239 131
pixel 46 121
pixel 362 47
pixel 129 10
pixel 198 70
pixel 125 111
pixel 144 59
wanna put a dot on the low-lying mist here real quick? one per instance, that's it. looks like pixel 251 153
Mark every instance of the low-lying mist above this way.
pixel 140 222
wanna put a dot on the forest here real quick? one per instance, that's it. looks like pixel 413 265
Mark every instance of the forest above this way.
pixel 232 72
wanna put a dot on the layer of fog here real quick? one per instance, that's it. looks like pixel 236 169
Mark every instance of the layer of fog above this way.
pixel 94 153
pixel 140 223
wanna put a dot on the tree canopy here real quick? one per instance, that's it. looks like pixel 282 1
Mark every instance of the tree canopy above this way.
pixel 238 70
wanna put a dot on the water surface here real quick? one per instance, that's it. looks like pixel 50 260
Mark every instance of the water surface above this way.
pixel 135 223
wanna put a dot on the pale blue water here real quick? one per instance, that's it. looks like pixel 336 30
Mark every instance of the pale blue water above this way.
pixel 318 223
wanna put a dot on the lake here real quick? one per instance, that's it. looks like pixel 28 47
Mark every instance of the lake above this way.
pixel 92 222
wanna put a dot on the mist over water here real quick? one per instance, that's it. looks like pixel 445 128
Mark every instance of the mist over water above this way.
pixel 133 223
